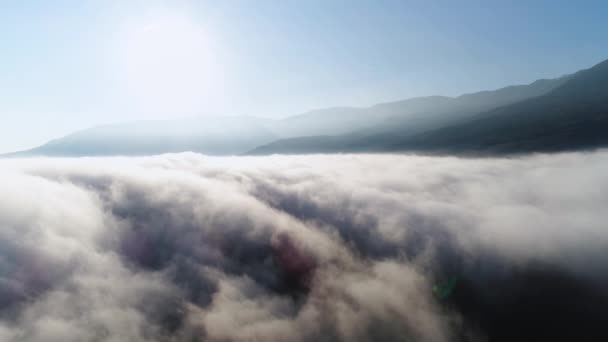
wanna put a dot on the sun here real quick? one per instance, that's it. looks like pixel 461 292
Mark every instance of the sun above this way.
pixel 169 64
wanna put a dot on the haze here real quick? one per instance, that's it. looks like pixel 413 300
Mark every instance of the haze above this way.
pixel 67 66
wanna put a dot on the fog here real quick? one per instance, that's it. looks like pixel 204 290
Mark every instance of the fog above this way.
pixel 184 247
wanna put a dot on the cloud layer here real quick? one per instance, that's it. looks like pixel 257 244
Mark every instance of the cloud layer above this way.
pixel 303 248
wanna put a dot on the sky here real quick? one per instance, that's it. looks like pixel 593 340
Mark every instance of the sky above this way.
pixel 67 65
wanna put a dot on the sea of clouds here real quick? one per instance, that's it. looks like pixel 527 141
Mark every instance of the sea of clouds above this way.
pixel 186 247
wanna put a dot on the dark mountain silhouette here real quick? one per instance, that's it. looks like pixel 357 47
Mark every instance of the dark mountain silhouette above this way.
pixel 572 115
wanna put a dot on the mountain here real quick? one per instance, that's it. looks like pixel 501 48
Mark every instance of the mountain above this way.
pixel 212 135
pixel 413 114
pixel 567 113
pixel 572 116
pixel 343 120
pixel 548 114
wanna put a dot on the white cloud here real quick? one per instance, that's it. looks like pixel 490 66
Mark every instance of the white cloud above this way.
pixel 299 248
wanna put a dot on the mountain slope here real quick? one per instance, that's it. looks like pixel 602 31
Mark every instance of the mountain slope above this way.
pixel 573 116
pixel 415 114
pixel 213 136
pixel 377 128
pixel 570 116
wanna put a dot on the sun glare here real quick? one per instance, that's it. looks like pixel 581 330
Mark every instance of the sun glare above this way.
pixel 169 64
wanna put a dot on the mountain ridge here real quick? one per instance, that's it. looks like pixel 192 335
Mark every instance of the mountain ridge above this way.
pixel 389 126
pixel 573 115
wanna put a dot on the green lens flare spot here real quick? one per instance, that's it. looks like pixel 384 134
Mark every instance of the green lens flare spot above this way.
pixel 444 289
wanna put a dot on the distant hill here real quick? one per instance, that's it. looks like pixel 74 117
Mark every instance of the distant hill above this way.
pixel 572 116
pixel 567 113
pixel 414 114
pixel 212 135
pixel 547 115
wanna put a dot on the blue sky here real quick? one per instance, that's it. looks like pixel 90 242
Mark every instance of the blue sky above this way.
pixel 66 65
